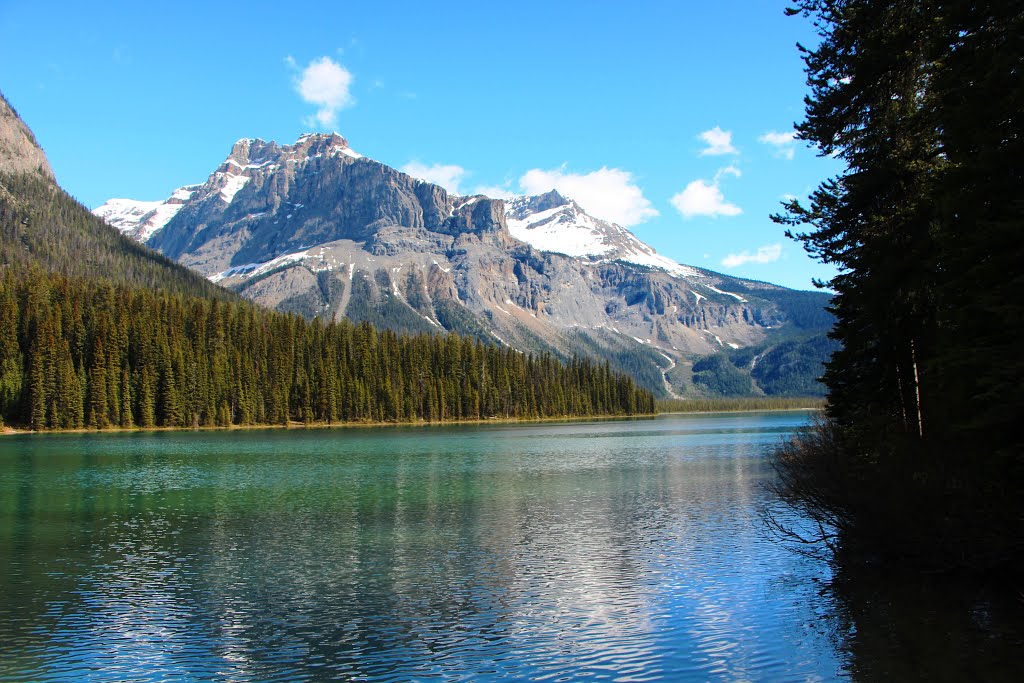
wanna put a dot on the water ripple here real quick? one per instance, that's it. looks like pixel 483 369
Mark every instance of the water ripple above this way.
pixel 464 554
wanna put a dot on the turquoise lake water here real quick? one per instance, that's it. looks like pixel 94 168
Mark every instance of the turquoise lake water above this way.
pixel 629 550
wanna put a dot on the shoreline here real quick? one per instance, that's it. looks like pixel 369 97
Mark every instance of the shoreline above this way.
pixel 738 410
pixel 13 431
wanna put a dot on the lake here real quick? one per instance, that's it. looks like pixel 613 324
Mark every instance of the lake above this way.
pixel 627 550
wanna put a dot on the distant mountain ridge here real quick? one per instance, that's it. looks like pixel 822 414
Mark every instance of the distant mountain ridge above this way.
pixel 316 228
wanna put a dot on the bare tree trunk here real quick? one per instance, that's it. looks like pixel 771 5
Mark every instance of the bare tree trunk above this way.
pixel 917 390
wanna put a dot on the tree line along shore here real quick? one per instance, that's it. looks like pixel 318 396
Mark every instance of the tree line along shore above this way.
pixel 90 354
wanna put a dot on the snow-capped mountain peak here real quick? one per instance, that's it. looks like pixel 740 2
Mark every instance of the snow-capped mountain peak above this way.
pixel 249 157
pixel 141 220
pixel 551 222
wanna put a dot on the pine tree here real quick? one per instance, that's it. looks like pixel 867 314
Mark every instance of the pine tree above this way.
pixel 921 457
pixel 97 377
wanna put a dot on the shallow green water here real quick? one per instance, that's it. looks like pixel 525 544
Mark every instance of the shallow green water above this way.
pixel 627 550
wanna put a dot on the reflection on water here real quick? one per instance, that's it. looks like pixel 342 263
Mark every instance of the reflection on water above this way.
pixel 624 550
pixel 928 628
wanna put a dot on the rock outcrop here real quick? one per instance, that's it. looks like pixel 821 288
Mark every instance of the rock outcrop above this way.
pixel 19 151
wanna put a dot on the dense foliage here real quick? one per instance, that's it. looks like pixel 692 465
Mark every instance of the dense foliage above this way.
pixel 85 353
pixel 717 375
pixel 788 368
pixel 921 456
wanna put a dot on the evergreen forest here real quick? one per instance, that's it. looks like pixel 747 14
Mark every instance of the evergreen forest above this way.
pixel 87 353
pixel 920 460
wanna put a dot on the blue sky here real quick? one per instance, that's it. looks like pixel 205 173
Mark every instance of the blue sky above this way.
pixel 669 117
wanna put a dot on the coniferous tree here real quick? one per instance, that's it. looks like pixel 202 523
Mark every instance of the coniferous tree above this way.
pixel 921 457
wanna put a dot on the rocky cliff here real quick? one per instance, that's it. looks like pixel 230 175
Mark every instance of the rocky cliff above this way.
pixel 19 151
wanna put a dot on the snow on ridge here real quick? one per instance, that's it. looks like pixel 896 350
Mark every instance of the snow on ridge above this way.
pixel 251 164
pixel 347 151
pixel 143 218
pixel 251 269
pixel 232 186
pixel 561 231
pixel 715 289
pixel 184 193
pixel 565 229
pixel 118 211
pixel 467 201
pixel 653 259
pixel 161 217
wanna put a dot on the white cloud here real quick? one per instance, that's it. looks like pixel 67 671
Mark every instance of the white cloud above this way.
pixel 728 170
pixel 784 143
pixel 608 193
pixel 703 198
pixel 447 176
pixel 718 142
pixel 495 191
pixel 326 84
pixel 766 254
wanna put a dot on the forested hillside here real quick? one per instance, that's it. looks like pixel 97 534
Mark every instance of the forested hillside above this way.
pixel 41 225
pixel 86 353
pixel 99 331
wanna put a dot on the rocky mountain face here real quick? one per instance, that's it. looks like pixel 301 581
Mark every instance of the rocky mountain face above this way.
pixel 316 228
pixel 19 151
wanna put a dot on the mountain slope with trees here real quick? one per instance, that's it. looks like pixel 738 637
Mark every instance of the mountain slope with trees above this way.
pixel 79 353
pixel 40 224
pixel 99 331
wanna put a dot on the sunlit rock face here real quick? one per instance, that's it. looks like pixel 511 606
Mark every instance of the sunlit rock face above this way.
pixel 19 151
pixel 316 228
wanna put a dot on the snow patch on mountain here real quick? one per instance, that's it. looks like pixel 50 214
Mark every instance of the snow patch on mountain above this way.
pixel 553 223
pixel 560 230
pixel 141 220
pixel 125 214
pixel 254 269
pixel 232 186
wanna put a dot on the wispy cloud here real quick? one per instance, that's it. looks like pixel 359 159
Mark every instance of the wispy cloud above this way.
pixel 703 198
pixel 718 142
pixel 784 143
pixel 324 83
pixel 766 254
pixel 495 191
pixel 607 193
pixel 447 176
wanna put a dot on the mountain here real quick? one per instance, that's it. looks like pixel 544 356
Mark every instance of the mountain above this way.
pixel 19 151
pixel 551 222
pixel 318 229
pixel 97 330
pixel 42 226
